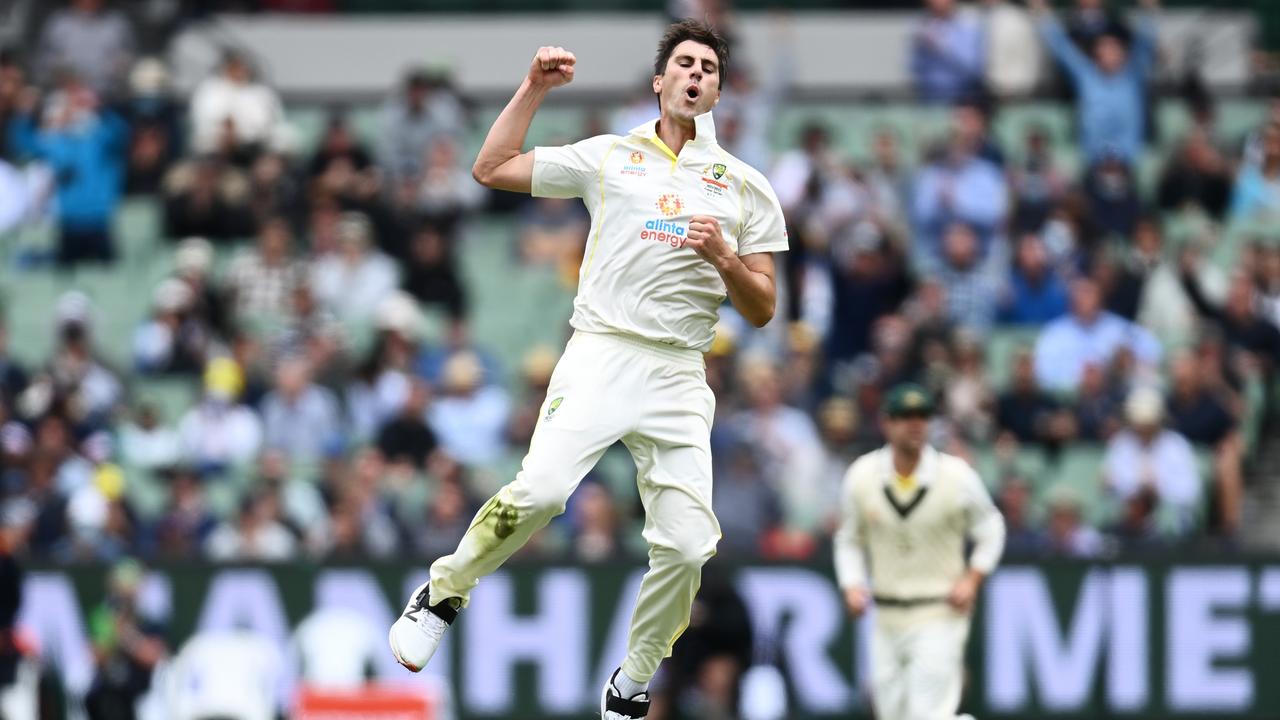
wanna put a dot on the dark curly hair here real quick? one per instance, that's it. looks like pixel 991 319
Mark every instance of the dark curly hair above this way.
pixel 698 32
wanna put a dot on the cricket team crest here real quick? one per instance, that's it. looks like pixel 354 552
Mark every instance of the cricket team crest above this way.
pixel 717 170
pixel 670 205
pixel 554 406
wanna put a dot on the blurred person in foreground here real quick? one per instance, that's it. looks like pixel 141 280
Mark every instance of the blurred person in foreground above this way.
pixel 1147 457
pixel 633 371
pixel 127 647
pixel 908 512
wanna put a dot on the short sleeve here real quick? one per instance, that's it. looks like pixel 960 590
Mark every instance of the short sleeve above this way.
pixel 566 171
pixel 764 229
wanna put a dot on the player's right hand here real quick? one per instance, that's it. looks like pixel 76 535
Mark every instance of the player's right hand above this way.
pixel 856 600
pixel 552 67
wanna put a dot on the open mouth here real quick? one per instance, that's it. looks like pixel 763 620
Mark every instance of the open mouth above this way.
pixel 692 92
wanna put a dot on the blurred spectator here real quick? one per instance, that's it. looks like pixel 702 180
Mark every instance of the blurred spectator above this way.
pixel 1206 416
pixel 1137 530
pixel 594 518
pixel 186 523
pixel 274 188
pixel 449 514
pixel 219 431
pixel 155 118
pixel 193 265
pixel 1090 20
pixel 128 645
pixel 948 52
pixel 972 282
pixel 299 417
pixel 92 40
pixel 1022 538
pixel 1014 57
pixel 14 203
pixel 84 145
pixel 1097 405
pixel 381 385
pixel 256 534
pixel 470 417
pixel 1197 177
pixel 147 444
pixel 1037 183
pixel 1028 412
pixel 1256 196
pixel 261 281
pixel 1036 293
pixel 1123 278
pixel 1068 536
pixel 536 369
pixel 958 185
pixel 205 197
pixel 888 180
pixel 446 190
pixel 1243 327
pixel 412 119
pixel 1110 82
pixel 1088 335
pixel 1148 456
pixel 75 369
pixel 13 89
pixel 353 281
pixel 1111 192
pixel 13 376
pixel 791 453
pixel 173 341
pixel 553 232
pixel 406 437
pixel 431 274
pixel 868 281
pixel 313 332
pixel 338 142
pixel 969 397
pixel 232 113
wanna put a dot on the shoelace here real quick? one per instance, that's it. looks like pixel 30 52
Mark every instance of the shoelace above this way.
pixel 431 625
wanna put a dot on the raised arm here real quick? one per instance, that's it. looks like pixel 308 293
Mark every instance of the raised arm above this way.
pixel 1055 38
pixel 501 164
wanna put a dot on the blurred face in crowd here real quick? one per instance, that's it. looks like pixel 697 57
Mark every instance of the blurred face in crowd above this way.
pixel 12 80
pixel 1024 371
pixel 1064 518
pixel 763 388
pixel 594 509
pixel 1032 258
pixel 292 377
pixel 1037 143
pixel 1240 297
pixel 941 8
pixel 690 85
pixel 1186 374
pixel 274 240
pixel 1147 240
pixel 969 126
pixel 960 246
pixel 886 149
pixel 907 433
pixel 236 70
pixel 1271 146
pixel 1110 54
pixel 1015 496
pixel 1086 300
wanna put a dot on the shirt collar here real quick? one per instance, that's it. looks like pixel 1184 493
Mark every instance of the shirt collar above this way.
pixel 924 469
pixel 704 128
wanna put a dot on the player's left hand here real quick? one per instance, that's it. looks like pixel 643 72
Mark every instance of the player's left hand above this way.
pixel 963 593
pixel 707 240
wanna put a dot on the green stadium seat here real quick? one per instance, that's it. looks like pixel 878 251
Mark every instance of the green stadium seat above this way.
pixel 1079 467
pixel 171 396
pixel 1001 346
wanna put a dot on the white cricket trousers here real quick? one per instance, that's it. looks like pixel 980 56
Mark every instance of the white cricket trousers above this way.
pixel 917 668
pixel 655 399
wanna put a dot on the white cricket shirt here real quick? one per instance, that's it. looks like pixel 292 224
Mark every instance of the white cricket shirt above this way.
pixel 637 276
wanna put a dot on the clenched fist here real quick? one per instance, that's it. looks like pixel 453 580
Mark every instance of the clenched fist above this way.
pixel 552 67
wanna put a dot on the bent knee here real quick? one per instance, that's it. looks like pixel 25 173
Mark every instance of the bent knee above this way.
pixel 692 553
pixel 539 494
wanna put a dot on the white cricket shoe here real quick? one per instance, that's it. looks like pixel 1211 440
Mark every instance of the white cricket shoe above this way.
pixel 416 635
pixel 615 707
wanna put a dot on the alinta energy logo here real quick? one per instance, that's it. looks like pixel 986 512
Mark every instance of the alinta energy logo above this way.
pixel 635 166
pixel 663 230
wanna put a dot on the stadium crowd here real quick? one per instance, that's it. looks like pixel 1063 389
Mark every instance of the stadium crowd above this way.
pixel 305 444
